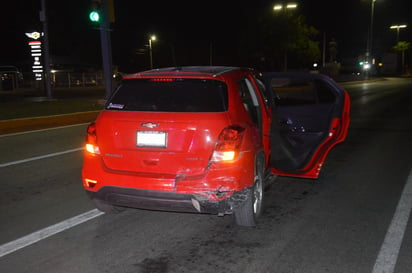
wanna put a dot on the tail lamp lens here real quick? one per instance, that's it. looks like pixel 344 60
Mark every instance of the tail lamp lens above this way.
pixel 90 183
pixel 91 140
pixel 228 144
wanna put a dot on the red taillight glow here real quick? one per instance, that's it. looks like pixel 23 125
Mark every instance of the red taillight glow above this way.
pixel 92 149
pixel 228 144
pixel 91 140
pixel 90 183
pixel 223 155
pixel 161 80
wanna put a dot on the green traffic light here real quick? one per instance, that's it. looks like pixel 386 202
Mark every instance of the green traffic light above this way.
pixel 94 16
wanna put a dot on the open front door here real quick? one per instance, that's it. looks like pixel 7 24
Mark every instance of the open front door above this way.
pixel 310 116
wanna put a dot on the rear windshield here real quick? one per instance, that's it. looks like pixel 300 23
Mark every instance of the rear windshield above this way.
pixel 170 95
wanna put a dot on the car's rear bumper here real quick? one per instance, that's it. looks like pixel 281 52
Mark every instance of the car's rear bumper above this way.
pixel 212 182
pixel 160 200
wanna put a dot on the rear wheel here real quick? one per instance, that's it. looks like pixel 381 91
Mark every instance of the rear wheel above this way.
pixel 106 207
pixel 247 213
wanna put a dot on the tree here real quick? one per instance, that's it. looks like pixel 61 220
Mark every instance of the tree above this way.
pixel 281 41
pixel 402 46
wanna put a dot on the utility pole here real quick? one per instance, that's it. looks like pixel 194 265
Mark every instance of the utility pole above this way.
pixel 47 78
pixel 324 51
pixel 106 48
pixel 211 54
pixel 100 15
pixel 369 55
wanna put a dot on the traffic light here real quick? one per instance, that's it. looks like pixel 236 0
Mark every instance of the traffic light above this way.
pixel 95 12
pixel 94 16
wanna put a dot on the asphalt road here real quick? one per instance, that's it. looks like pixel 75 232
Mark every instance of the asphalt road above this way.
pixel 346 221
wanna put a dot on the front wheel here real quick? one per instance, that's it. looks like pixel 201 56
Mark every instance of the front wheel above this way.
pixel 247 213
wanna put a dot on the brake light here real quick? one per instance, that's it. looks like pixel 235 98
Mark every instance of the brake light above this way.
pixel 161 80
pixel 90 183
pixel 228 144
pixel 91 140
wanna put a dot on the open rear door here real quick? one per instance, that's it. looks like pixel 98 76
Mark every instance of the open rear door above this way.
pixel 310 116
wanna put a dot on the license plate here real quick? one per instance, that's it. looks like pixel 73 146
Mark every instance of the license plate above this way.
pixel 155 139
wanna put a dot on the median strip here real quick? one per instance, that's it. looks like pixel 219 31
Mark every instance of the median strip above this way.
pixel 28 124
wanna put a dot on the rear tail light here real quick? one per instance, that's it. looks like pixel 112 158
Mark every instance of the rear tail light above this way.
pixel 228 144
pixel 90 183
pixel 162 80
pixel 91 140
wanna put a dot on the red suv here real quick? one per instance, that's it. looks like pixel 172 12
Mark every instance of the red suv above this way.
pixel 205 139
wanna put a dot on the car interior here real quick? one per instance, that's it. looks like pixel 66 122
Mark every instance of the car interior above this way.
pixel 302 116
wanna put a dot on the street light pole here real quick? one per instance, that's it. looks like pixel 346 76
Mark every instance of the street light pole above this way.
pixel 152 38
pixel 397 27
pixel 285 8
pixel 47 77
pixel 369 50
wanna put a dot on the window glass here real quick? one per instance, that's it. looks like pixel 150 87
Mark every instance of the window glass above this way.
pixel 263 92
pixel 170 95
pixel 249 98
pixel 290 91
pixel 324 92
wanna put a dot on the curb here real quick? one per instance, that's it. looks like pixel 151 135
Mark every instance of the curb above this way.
pixel 37 123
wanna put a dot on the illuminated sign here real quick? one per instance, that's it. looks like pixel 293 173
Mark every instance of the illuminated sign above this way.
pixel 36 54
pixel 33 35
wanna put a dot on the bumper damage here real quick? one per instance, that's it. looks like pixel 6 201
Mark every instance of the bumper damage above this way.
pixel 169 201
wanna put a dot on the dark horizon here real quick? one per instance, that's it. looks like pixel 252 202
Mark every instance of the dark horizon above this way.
pixel 188 32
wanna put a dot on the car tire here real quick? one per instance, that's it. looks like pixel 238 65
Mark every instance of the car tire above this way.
pixel 248 212
pixel 106 207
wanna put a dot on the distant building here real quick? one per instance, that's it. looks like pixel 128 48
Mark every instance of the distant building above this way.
pixel 10 77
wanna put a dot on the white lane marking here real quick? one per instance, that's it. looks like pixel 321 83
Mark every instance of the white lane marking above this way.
pixel 47 232
pixel 388 254
pixel 38 157
pixel 43 130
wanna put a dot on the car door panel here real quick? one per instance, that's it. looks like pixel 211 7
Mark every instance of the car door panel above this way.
pixel 304 118
pixel 311 115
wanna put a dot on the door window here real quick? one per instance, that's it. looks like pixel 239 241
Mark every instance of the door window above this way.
pixel 250 100
pixel 289 92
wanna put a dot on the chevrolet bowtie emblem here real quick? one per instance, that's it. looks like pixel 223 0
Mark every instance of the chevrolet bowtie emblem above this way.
pixel 149 125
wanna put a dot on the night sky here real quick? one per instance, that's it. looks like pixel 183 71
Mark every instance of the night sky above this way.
pixel 188 30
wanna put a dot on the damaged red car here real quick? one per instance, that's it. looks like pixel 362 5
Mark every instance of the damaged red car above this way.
pixel 206 139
